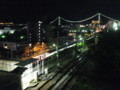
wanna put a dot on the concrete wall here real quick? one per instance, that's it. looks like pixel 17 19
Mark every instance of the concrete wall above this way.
pixel 30 76
pixel 7 65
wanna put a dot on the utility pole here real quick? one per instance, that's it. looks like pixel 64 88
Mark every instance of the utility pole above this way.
pixel 59 23
pixel 57 49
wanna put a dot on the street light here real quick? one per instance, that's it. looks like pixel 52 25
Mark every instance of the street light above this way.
pixel 54 45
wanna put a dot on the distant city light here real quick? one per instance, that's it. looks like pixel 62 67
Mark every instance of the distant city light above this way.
pixel 6 47
pixel 84 30
pixel 54 45
pixel 39 22
pixel 11 32
pixel 1 32
pixel 80 37
pixel 74 40
pixel 82 25
pixel 22 37
pixel 30 44
pixel 3 36
pixel 80 44
pixel 66 43
pixel 115 26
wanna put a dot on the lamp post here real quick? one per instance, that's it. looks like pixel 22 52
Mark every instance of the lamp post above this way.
pixel 58 64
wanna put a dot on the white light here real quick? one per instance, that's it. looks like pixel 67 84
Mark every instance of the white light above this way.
pixel 115 27
pixel 82 26
pixel 39 22
pixel 30 44
pixel 81 38
pixel 1 32
pixel 11 32
pixel 6 47
pixel 67 43
pixel 74 40
pixel 83 30
pixel 79 59
pixel 39 25
pixel 54 45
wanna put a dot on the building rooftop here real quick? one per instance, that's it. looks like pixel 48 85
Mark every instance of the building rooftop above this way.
pixel 26 62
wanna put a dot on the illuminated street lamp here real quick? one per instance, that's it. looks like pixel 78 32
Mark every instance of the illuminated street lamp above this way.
pixel 54 45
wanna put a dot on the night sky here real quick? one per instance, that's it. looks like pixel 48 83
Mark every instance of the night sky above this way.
pixel 71 9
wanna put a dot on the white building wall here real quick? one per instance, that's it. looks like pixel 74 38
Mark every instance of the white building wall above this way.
pixel 7 65
pixel 31 74
pixel 27 79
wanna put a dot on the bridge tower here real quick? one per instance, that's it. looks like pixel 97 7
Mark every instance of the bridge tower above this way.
pixel 59 21
pixel 99 18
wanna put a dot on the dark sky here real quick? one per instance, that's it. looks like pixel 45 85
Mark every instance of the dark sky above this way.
pixel 70 9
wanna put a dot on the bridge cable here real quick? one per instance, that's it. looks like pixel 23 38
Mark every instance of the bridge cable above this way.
pixel 80 20
pixel 109 17
pixel 53 20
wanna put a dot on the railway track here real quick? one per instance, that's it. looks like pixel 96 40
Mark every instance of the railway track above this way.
pixel 68 84
pixel 64 74
pixel 67 78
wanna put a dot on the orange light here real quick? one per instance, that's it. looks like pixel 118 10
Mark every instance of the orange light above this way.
pixel 37 49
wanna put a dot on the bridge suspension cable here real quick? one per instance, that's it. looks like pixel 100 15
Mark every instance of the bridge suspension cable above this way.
pixel 80 20
pixel 70 21
pixel 109 17
pixel 54 20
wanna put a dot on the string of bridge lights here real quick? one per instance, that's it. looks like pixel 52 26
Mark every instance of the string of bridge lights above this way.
pixel 70 21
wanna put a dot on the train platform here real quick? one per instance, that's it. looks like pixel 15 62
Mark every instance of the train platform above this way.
pixel 42 80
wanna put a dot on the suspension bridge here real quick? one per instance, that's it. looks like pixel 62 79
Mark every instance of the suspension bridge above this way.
pixel 98 15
